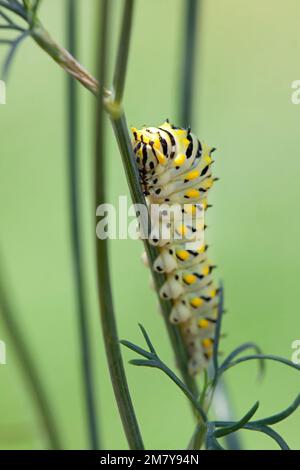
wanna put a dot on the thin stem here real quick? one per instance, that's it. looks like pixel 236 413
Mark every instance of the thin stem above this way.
pixel 188 62
pixel 109 327
pixel 223 409
pixel 62 57
pixel 12 27
pixel 123 52
pixel 187 393
pixel 6 18
pixel 28 366
pixel 82 310
pixel 17 9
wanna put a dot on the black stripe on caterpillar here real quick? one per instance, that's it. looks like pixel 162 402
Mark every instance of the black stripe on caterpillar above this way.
pixel 175 168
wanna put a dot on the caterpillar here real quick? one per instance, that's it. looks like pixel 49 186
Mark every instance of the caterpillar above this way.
pixel 175 169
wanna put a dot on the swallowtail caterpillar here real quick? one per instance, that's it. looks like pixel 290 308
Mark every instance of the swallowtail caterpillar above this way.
pixel 175 168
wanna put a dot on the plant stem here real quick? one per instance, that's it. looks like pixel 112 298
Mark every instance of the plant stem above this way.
pixel 108 320
pixel 28 366
pixel 188 63
pixel 64 58
pixel 82 310
pixel 223 409
pixel 17 9
pixel 123 52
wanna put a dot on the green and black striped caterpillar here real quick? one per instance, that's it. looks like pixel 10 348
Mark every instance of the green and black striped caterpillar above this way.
pixel 175 168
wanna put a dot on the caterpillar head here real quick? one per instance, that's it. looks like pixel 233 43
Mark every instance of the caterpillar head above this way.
pixel 150 147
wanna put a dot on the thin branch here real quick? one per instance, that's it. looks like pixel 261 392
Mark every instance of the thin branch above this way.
pixel 12 52
pixel 123 52
pixel 153 360
pixel 109 327
pixel 62 57
pixel 12 27
pixel 73 162
pixel 233 427
pixel 15 8
pixel 6 18
pixel 188 63
pixel 254 357
pixel 218 330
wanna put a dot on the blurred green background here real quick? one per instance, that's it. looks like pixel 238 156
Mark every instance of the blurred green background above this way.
pixel 247 58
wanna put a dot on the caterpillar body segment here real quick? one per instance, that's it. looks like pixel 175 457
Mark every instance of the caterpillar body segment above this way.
pixel 175 170
pixel 185 280
pixel 180 256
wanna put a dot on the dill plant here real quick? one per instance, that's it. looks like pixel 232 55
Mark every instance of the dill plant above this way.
pixel 22 17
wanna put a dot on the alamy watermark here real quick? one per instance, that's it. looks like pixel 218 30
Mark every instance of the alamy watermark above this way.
pixel 2 353
pixel 2 92
pixel 295 97
pixel 159 223
pixel 296 351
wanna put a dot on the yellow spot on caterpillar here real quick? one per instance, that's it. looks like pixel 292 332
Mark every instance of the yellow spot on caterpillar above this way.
pixel 205 271
pixel 161 158
pixel 156 144
pixel 182 230
pixel 179 160
pixel 180 132
pixel 192 175
pixel 207 159
pixel 189 278
pixel 213 294
pixel 203 323
pixel 182 254
pixel 185 142
pixel 146 139
pixel 196 302
pixel 207 343
pixel 202 249
pixel 192 193
pixel 207 184
pixel 190 209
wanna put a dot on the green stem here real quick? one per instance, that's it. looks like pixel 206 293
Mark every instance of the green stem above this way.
pixel 29 369
pixel 82 311
pixel 186 391
pixel 63 58
pixel 123 52
pixel 14 8
pixel 188 63
pixel 109 327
